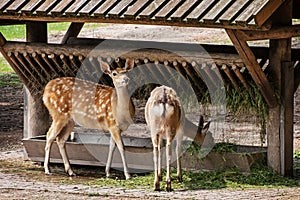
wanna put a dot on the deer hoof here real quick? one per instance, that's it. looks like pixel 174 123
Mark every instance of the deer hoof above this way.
pixel 179 178
pixel 156 187
pixel 127 176
pixel 48 173
pixel 168 186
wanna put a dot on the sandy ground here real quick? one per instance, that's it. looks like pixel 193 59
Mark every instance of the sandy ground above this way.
pixel 18 182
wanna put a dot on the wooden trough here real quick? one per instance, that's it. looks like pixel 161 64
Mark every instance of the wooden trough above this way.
pixel 92 149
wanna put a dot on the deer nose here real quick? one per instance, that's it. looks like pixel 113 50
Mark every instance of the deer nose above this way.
pixel 126 79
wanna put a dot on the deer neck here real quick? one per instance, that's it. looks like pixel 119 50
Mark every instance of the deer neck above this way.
pixel 122 109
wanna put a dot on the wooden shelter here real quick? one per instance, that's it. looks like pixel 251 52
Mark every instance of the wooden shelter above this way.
pixel 36 62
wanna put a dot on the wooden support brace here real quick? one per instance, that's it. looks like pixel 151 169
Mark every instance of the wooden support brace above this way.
pixel 277 32
pixel 253 67
pixel 73 31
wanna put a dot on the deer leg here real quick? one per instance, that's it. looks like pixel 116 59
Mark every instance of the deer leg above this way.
pixel 178 157
pixel 156 147
pixel 168 157
pixel 61 142
pixel 52 133
pixel 159 159
pixel 120 145
pixel 112 147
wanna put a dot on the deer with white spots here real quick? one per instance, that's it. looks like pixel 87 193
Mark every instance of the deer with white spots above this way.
pixel 70 100
pixel 165 118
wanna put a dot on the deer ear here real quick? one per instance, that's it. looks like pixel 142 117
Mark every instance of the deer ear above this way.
pixel 129 64
pixel 105 67
pixel 205 128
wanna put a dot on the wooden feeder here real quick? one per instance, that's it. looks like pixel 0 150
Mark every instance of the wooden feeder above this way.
pixel 90 149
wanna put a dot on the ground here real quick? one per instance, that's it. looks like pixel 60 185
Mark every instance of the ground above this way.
pixel 21 179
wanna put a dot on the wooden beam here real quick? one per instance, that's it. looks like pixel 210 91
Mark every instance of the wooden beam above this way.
pixel 287 118
pixel 280 121
pixel 296 77
pixel 36 116
pixel 279 32
pixel 254 68
pixel 73 31
pixel 266 11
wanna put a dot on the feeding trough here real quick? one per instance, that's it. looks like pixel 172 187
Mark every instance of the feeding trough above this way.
pixel 92 149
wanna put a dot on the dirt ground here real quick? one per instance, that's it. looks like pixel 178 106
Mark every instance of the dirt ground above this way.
pixel 26 180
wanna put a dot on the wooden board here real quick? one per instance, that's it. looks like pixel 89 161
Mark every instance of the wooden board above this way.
pixel 247 14
pixel 90 7
pixel 31 6
pixel 75 7
pixel 216 11
pixel 200 10
pixel 92 149
pixel 153 8
pixel 120 8
pixel 105 8
pixel 4 4
pixel 184 9
pixel 16 6
pixel 47 6
pixel 234 10
pixel 61 7
pixel 136 8
pixel 167 10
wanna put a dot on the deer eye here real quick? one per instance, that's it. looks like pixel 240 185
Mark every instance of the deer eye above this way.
pixel 114 73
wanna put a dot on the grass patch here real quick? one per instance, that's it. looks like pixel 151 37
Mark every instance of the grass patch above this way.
pixel 12 32
pixel 55 27
pixel 4 66
pixel 9 79
pixel 260 177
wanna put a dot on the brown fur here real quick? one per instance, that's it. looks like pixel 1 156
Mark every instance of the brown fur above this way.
pixel 91 105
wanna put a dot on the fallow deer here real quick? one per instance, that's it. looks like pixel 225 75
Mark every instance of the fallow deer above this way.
pixel 165 118
pixel 70 100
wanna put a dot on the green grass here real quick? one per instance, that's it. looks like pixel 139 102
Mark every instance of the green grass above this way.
pixel 17 32
pixel 13 32
pixel 4 66
pixel 260 177
pixel 9 79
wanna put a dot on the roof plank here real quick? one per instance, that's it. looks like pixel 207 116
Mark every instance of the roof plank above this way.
pixel 247 14
pixel 200 10
pixel 32 6
pixel 216 11
pixel 232 14
pixel 136 8
pixel 184 9
pixel 5 4
pixel 153 8
pixel 61 7
pixel 105 8
pixel 234 10
pixel 265 12
pixel 46 7
pixel 90 7
pixel 120 8
pixel 15 6
pixel 75 7
pixel 168 9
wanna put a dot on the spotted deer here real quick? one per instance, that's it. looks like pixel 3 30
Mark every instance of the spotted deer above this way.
pixel 70 100
pixel 165 118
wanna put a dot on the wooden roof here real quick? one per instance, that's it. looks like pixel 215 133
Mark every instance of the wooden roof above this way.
pixel 237 14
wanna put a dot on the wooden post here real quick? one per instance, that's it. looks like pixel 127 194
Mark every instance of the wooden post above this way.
pixel 280 122
pixel 36 116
